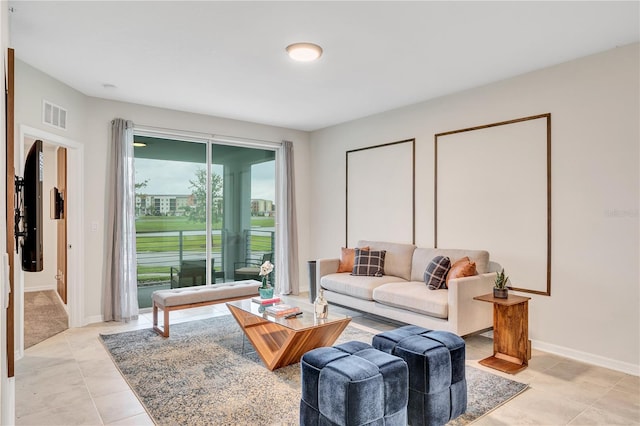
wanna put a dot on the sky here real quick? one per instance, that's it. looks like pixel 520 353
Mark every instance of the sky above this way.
pixel 172 177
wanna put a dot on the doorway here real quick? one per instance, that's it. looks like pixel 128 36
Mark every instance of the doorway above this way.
pixel 45 309
pixel 74 214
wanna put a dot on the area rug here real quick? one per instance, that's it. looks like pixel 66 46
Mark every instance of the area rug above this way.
pixel 207 373
pixel 44 316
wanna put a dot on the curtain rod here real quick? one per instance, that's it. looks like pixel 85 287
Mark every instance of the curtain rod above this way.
pixel 202 135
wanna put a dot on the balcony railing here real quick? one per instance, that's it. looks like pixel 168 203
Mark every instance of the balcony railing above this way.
pixel 257 242
pixel 157 252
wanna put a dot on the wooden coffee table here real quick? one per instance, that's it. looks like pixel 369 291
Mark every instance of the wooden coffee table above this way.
pixel 280 341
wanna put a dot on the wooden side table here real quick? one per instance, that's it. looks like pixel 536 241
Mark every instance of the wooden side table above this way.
pixel 511 344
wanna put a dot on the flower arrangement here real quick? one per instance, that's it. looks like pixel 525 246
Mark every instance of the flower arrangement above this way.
pixel 265 269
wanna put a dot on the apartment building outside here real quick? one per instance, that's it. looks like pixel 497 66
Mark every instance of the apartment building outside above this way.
pixel 260 207
pixel 176 205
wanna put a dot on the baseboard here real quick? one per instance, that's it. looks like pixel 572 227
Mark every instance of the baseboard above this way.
pixel 598 360
pixel 93 319
pixel 40 288
pixel 8 401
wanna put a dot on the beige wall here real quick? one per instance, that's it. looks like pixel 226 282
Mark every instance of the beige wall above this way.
pixel 34 86
pixel 592 313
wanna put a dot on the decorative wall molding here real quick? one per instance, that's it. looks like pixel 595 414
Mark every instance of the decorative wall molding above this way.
pixel 493 192
pixel 380 193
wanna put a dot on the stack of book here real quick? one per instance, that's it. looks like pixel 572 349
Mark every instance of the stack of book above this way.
pixel 282 309
pixel 262 301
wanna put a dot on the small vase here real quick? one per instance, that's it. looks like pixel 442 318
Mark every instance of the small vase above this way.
pixel 266 291
pixel 320 306
pixel 500 293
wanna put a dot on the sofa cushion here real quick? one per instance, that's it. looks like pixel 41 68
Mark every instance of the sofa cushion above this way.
pixel 355 286
pixel 369 263
pixel 462 268
pixel 347 257
pixel 435 275
pixel 398 259
pixel 414 296
pixel 422 257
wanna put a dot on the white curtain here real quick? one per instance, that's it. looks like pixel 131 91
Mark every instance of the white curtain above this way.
pixel 120 301
pixel 287 277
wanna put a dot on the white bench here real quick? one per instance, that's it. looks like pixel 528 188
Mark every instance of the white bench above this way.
pixel 192 297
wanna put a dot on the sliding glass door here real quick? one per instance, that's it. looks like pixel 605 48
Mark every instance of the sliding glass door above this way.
pixel 204 212
pixel 244 214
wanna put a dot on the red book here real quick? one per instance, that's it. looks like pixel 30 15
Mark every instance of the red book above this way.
pixel 265 301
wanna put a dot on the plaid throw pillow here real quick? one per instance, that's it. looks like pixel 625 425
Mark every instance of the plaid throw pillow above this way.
pixel 369 263
pixel 436 274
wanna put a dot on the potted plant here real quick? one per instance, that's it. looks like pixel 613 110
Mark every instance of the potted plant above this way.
pixel 500 290
pixel 266 290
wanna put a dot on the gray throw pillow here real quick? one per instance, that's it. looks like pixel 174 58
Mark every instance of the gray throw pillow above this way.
pixel 436 274
pixel 369 263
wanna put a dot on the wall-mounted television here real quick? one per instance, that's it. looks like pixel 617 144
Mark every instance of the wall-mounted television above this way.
pixel 32 256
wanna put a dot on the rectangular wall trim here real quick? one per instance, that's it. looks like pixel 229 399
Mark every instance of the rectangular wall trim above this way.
pixel 493 191
pixel 380 193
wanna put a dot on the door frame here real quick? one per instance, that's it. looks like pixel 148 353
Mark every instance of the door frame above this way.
pixel 61 226
pixel 75 208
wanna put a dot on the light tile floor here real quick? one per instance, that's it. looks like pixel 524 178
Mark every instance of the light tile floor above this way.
pixel 70 379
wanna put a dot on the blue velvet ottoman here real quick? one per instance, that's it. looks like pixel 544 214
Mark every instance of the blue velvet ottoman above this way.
pixel 353 384
pixel 437 383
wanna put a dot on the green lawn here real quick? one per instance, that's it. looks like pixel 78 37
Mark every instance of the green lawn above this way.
pixel 263 222
pixel 147 224
pixel 190 243
pixel 167 223
pixel 181 223
pixel 161 243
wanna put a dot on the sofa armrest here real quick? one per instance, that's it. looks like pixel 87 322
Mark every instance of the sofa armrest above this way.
pixel 326 267
pixel 465 314
pixel 494 266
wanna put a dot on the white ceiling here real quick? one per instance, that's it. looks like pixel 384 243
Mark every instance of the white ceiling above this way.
pixel 228 58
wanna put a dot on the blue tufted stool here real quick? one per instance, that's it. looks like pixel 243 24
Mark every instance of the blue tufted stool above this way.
pixel 437 383
pixel 353 384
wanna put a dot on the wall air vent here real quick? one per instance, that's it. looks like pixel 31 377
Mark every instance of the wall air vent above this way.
pixel 54 115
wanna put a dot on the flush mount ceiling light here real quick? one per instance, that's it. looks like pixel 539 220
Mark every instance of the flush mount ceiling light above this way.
pixel 139 144
pixel 304 52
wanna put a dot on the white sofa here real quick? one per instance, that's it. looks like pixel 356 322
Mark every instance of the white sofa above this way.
pixel 402 295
